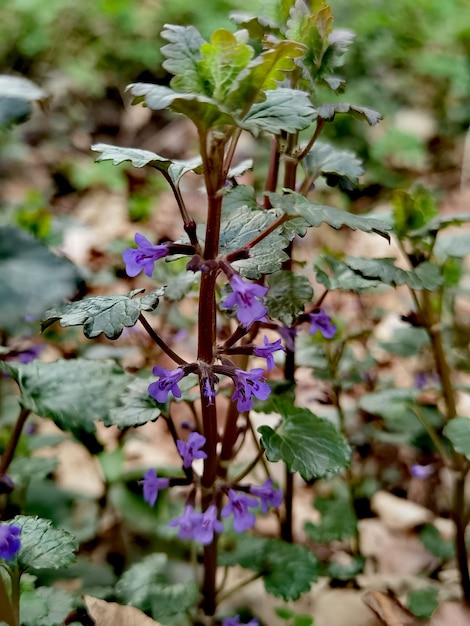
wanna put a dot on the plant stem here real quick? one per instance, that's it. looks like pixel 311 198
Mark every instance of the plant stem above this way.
pixel 9 453
pixel 458 516
pixel 243 583
pixel 159 341
pixel 7 614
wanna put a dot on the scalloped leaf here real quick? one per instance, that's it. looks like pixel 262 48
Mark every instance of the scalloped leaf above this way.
pixel 135 406
pixel 243 224
pixel 103 314
pixel 288 292
pixel 73 393
pixel 283 109
pixel 32 278
pixel 140 158
pixel 288 569
pixel 424 276
pixel 315 214
pixel 183 53
pixel 328 112
pixel 457 432
pixel 306 443
pixel 257 25
pixel 203 111
pixel 222 60
pixel 45 606
pixel 16 97
pixel 342 277
pixel 338 166
pixel 42 545
pixel 338 518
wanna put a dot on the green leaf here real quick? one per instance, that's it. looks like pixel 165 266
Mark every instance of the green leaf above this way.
pixel 315 214
pixel 140 158
pixel 408 341
pixel 457 432
pixel 288 292
pixel 221 62
pixel 306 443
pixel 413 211
pixel 240 169
pixel 16 96
pixel 283 109
pixel 45 606
pixel 433 542
pixel 42 545
pixel 263 73
pixel 423 602
pixel 31 278
pixel 241 225
pixel 339 166
pixel 183 54
pixel 103 314
pixel 424 276
pixel 440 223
pixel 342 277
pixel 24 469
pixel 346 571
pixel 453 245
pixel 145 585
pixel 203 111
pixel 338 518
pixel 328 112
pixel 288 569
pixel 135 406
pixel 73 393
pixel 256 25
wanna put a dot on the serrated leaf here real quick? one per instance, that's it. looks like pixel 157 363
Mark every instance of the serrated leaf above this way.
pixel 288 292
pixel 315 214
pixel 328 112
pixel 135 406
pixel 435 544
pixel 306 443
pixel 16 96
pixel 31 278
pixel 145 585
pixel 288 569
pixel 256 25
pixel 338 518
pixel 340 166
pixel 203 111
pixel 283 109
pixel 140 158
pixel 439 223
pixel 42 545
pixel 182 56
pixel 103 314
pixel 45 606
pixel 73 393
pixel 342 277
pixel 222 60
pixel 424 276
pixel 457 432
pixel 263 73
pixel 243 224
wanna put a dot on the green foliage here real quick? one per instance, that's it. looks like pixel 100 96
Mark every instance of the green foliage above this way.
pixel 338 166
pixel 338 518
pixel 56 390
pixel 16 98
pixel 423 602
pixel 103 314
pixel 457 432
pixel 134 406
pixel 45 606
pixel 42 545
pixel 432 541
pixel 288 569
pixel 306 443
pixel 288 292
pixel 412 211
pixel 31 278
pixel 298 619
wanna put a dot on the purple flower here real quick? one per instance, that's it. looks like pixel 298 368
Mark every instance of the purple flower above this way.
pixel 289 335
pixel 10 541
pixel 267 351
pixel 169 380
pixel 189 450
pixel 152 485
pixel 267 494
pixel 208 391
pixel 249 384
pixel 30 354
pixel 143 257
pixel 189 522
pixel 320 321
pixel 208 525
pixel 422 471
pixel 235 621
pixel 238 505
pixel 247 298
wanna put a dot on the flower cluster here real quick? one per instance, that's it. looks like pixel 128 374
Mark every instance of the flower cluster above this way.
pixel 10 542
pixel 248 384
pixel 190 449
pixel 168 381
pixel 198 526
pixel 247 298
pixel 144 256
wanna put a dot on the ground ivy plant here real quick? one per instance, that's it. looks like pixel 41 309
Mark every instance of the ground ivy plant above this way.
pixel 253 303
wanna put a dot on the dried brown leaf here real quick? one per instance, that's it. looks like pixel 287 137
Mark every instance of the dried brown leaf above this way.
pixel 113 614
